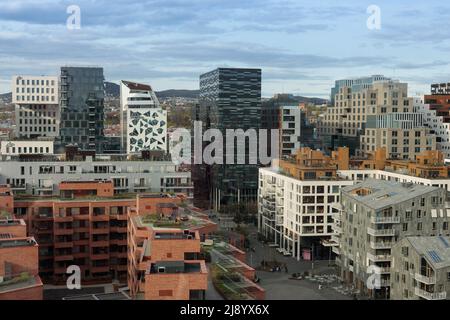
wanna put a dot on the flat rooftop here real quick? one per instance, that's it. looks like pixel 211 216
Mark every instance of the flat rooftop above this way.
pixel 382 193
pixel 11 243
pixel 152 221
pixel 172 267
pixel 25 280
pixel 101 296
pixel 11 222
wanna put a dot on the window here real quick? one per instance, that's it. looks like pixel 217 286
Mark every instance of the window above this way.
pixel 419 226
pixel 405 251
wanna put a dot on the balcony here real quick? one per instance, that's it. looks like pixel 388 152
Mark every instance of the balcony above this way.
pixel 80 255
pixel 335 238
pixel 337 206
pixel 99 269
pixel 100 231
pixel 336 216
pixel 118 229
pixel 380 220
pixel 385 283
pixel 337 229
pixel 430 295
pixel 380 245
pixel 119 242
pixel 100 218
pixel 100 256
pixel 61 245
pixel 18 187
pixel 425 279
pixel 81 242
pixel 379 257
pixel 101 243
pixel 336 250
pixel 63 232
pixel 63 219
pixel 66 257
pixel 60 270
pixel 270 200
pixel 81 230
pixel 381 232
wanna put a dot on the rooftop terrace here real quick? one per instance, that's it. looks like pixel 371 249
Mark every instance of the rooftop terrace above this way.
pixel 172 267
pixel 14 242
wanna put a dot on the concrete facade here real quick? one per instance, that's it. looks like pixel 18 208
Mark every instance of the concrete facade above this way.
pixel 421 269
pixel 374 215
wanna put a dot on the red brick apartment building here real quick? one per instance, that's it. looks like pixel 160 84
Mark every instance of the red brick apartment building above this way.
pixel 85 226
pixel 164 260
pixel 19 270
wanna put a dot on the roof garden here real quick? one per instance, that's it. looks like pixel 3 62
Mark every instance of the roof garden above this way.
pixel 20 281
pixel 11 243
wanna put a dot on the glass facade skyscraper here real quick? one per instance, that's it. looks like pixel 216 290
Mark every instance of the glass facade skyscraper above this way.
pixel 230 98
pixel 82 102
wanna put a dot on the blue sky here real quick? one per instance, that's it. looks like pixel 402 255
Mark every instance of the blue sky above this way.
pixel 301 46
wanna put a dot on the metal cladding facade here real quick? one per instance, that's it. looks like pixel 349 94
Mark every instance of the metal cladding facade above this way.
pixel 230 98
pixel 82 102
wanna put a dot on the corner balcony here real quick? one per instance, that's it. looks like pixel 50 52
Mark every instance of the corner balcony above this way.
pixel 337 206
pixel 381 232
pixel 425 279
pixel 380 220
pixel 336 216
pixel 430 295
pixel 336 250
pixel 337 229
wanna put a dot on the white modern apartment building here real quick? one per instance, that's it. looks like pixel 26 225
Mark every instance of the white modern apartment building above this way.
pixel 36 106
pixel 290 130
pixel 43 176
pixel 143 121
pixel 18 147
pixel 295 202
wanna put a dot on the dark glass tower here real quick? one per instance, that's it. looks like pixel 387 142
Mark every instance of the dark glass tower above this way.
pixel 230 98
pixel 82 115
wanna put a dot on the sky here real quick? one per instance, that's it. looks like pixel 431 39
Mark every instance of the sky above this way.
pixel 301 46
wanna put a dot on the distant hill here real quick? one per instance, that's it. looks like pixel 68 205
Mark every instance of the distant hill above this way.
pixel 172 93
pixel 112 89
pixel 288 98
pixel 6 97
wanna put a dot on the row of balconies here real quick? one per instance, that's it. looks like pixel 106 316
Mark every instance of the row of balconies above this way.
pixel 381 245
pixel 381 232
pixel 425 279
pixel 379 257
pixel 380 220
pixel 430 295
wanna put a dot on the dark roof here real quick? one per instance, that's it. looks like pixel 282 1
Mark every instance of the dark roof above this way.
pixel 137 86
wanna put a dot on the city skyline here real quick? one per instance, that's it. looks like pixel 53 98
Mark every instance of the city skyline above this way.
pixel 171 44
